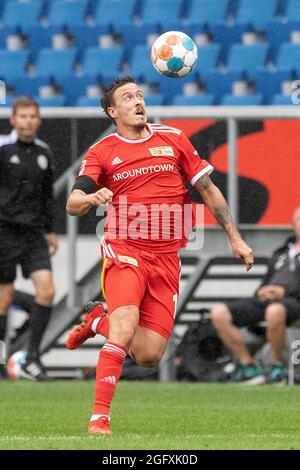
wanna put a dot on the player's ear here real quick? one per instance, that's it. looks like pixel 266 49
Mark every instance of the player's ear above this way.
pixel 112 112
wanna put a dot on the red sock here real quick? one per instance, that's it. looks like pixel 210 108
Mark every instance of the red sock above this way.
pixel 100 326
pixel 109 369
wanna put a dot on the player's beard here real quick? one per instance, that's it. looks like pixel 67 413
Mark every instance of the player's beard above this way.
pixel 140 127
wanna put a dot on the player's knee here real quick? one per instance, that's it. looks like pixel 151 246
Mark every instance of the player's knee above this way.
pixel 149 360
pixel 123 325
pixel 220 316
pixel 275 314
pixel 45 296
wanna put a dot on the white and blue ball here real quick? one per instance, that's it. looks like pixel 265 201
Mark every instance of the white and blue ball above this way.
pixel 174 54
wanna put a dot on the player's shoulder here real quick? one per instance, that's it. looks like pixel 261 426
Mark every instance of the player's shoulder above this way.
pixel 163 128
pixel 9 139
pixel 105 142
pixel 40 143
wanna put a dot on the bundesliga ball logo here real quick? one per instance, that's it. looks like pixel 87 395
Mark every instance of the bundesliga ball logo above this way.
pixel 174 54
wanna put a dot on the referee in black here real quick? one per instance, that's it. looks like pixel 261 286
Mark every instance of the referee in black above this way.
pixel 27 237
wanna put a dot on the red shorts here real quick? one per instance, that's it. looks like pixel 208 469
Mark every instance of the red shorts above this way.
pixel 149 281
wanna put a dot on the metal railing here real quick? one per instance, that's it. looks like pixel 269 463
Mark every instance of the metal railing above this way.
pixel 232 115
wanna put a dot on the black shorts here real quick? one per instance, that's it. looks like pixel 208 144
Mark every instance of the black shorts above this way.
pixel 251 311
pixel 25 246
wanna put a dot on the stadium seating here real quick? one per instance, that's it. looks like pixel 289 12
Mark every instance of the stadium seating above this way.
pixel 13 64
pixel 114 12
pixel 199 100
pixel 154 100
pixel 268 81
pixel 257 12
pixel 22 14
pixel 219 82
pixel 293 10
pixel 155 11
pixel 55 63
pixel 97 61
pixel 88 101
pixel 67 13
pixel 283 100
pixel 72 44
pixel 54 101
pixel 289 56
pixel 247 58
pixel 245 100
pixel 208 11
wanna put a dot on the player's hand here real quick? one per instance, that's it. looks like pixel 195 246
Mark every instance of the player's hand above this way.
pixel 53 243
pixel 241 250
pixel 271 292
pixel 103 196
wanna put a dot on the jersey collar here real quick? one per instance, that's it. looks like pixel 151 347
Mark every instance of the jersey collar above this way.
pixel 136 141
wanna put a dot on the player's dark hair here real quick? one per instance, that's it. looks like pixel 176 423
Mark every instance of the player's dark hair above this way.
pixel 107 99
pixel 24 102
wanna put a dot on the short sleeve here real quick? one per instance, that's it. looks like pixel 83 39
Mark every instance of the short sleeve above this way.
pixel 91 166
pixel 191 163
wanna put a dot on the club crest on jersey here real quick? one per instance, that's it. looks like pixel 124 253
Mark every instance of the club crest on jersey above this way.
pixel 162 152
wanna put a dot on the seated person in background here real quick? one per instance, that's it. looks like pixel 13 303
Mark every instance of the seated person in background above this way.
pixel 277 302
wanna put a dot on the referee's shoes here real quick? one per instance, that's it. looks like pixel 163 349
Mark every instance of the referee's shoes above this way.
pixel 34 370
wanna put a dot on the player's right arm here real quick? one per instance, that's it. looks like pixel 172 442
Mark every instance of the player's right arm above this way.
pixel 86 192
pixel 79 202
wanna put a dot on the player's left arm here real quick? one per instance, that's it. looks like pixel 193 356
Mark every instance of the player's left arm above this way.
pixel 215 201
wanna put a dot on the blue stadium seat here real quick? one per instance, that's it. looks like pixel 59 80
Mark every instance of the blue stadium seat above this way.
pixel 97 61
pixel 86 36
pixel 141 63
pixel 73 86
pixel 154 100
pixel 22 14
pixel 245 100
pixel 289 56
pixel 191 29
pixel 169 87
pixel 268 81
pixel 197 100
pixel 68 13
pixel 279 31
pixel 227 34
pixel 39 37
pixel 30 86
pixel 133 35
pixel 13 64
pixel 88 101
pixel 8 102
pixel 247 58
pixel 208 57
pixel 5 32
pixel 293 10
pixel 54 101
pixel 56 62
pixel 257 12
pixel 156 11
pixel 114 12
pixel 208 11
pixel 282 100
pixel 219 82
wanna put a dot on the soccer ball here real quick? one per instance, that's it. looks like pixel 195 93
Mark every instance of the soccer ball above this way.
pixel 15 363
pixel 174 54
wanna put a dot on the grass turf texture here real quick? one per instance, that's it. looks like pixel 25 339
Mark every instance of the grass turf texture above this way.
pixel 149 415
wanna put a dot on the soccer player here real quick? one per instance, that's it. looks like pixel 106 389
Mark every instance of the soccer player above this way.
pixel 26 215
pixel 133 171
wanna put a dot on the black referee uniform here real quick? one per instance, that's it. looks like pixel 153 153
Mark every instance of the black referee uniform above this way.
pixel 26 215
pixel 26 206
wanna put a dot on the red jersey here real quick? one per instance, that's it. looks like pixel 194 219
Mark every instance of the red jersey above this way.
pixel 146 177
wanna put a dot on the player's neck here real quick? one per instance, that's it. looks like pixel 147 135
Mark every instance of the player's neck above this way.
pixel 133 133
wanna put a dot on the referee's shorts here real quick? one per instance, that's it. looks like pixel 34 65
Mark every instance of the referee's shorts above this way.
pixel 250 311
pixel 27 247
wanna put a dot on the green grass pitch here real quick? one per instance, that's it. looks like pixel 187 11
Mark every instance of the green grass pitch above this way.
pixel 150 415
